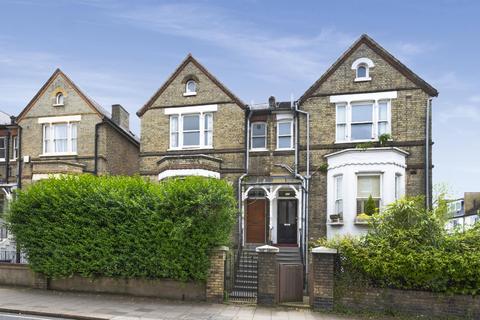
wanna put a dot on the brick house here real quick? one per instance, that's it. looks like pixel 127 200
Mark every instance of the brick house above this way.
pixel 302 169
pixel 8 179
pixel 63 131
pixel 193 125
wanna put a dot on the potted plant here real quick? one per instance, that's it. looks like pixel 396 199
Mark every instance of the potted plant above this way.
pixel 369 210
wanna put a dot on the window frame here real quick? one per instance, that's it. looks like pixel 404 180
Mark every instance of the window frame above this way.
pixel 357 198
pixel 14 148
pixel 291 135
pixel 338 199
pixel 265 148
pixel 187 90
pixel 349 105
pixel 50 126
pixel 367 72
pixel 398 186
pixel 59 96
pixel 4 148
pixel 180 131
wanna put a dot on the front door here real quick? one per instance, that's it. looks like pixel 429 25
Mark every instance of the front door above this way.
pixel 256 209
pixel 287 221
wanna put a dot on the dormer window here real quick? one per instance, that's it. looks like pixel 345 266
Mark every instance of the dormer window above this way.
pixel 59 99
pixel 362 68
pixel 190 88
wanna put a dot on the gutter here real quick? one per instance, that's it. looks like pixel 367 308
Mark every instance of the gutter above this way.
pixel 19 159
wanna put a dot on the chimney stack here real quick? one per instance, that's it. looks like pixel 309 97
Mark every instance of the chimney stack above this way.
pixel 271 102
pixel 120 116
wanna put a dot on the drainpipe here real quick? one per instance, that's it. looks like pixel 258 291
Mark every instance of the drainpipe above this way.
pixel 240 179
pixel 19 159
pixel 95 160
pixel 427 154
pixel 7 156
pixel 306 185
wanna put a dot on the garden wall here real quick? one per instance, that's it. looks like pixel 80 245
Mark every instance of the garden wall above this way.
pixel 20 275
pixel 407 302
pixel 162 288
pixel 211 290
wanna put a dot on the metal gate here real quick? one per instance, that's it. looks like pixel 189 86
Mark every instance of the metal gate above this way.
pixel 290 286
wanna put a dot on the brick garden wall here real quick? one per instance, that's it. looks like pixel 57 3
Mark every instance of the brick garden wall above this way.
pixel 407 302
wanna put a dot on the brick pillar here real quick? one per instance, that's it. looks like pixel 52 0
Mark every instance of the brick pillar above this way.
pixel 322 278
pixel 267 275
pixel 216 275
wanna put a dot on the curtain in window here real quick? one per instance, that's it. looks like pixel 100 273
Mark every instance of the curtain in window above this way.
pixel 174 131
pixel 208 127
pixel 60 140
pixel 368 186
pixel 73 135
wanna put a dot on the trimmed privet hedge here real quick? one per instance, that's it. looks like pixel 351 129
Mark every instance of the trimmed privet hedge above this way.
pixel 408 248
pixel 123 227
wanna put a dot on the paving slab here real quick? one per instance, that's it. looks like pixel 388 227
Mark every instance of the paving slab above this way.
pixel 91 306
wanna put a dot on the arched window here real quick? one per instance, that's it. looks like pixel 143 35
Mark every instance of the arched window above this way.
pixel 362 71
pixel 191 87
pixel 59 99
pixel 362 68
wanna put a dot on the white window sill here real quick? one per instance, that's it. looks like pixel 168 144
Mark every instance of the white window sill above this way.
pixel 2 159
pixel 58 105
pixel 361 222
pixel 258 150
pixel 189 94
pixel 58 154
pixel 356 141
pixel 190 148
pixel 362 79
pixel 338 223
pixel 284 149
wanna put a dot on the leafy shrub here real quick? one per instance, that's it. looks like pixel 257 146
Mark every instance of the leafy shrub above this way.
pixel 407 248
pixel 122 226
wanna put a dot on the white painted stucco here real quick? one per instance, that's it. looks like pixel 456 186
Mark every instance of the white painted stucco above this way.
pixel 388 162
pixel 188 172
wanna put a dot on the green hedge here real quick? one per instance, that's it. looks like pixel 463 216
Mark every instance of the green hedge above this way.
pixel 407 248
pixel 123 226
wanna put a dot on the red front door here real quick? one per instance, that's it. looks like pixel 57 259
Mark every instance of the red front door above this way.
pixel 256 209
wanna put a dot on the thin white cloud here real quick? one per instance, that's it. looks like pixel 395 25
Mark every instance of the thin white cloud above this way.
pixel 468 112
pixel 291 56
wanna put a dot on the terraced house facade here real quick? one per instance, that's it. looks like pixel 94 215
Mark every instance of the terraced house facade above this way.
pixel 302 169
pixel 305 169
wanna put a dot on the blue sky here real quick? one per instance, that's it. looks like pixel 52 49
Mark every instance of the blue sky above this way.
pixel 122 51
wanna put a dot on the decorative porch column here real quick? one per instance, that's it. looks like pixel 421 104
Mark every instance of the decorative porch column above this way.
pixel 322 278
pixel 267 275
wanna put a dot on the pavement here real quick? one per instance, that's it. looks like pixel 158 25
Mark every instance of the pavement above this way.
pixel 88 306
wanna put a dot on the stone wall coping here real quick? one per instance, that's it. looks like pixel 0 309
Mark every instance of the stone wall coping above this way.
pixel 324 250
pixel 221 248
pixel 267 249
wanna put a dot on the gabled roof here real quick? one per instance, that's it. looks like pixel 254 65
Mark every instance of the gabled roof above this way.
pixel 184 63
pixel 91 103
pixel 365 39
pixel 103 113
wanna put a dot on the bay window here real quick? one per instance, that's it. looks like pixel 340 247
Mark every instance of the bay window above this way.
pixel 60 138
pixel 259 136
pixel 362 121
pixel 191 130
pixel 368 185
pixel 285 134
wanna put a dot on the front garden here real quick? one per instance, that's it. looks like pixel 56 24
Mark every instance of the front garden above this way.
pixel 123 227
